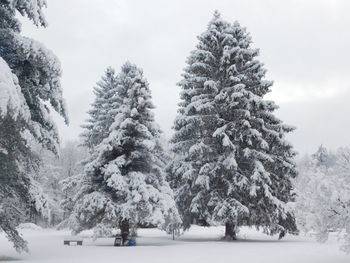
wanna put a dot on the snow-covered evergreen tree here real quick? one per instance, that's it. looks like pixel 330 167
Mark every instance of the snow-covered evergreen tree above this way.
pixel 30 80
pixel 46 190
pixel 124 184
pixel 71 163
pixel 14 191
pixel 51 195
pixel 323 199
pixel 323 157
pixel 104 110
pixel 233 165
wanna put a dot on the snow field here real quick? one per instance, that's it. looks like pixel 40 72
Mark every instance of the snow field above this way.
pixel 199 244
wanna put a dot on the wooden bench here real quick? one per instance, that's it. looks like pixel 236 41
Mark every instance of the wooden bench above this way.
pixel 68 241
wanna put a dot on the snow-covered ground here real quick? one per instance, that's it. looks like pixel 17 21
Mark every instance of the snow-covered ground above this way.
pixel 200 244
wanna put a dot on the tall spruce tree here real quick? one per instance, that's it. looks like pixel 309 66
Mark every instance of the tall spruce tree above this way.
pixel 124 183
pixel 233 165
pixel 30 81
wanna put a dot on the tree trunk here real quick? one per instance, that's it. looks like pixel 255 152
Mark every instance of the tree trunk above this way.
pixel 124 230
pixel 281 235
pixel 230 231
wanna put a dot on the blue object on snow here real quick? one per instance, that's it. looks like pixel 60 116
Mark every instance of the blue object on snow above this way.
pixel 132 243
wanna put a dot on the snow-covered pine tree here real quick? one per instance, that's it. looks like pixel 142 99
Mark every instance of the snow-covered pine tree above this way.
pixel 71 163
pixel 14 190
pixel 34 85
pixel 323 199
pixel 124 184
pixel 233 164
pixel 103 110
pixel 46 190
pixel 323 157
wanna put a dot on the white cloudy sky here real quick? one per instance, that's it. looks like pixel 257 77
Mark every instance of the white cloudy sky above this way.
pixel 304 45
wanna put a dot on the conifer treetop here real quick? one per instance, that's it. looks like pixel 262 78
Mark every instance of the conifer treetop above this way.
pixel 30 8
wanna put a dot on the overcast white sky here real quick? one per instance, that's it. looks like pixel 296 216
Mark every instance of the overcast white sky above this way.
pixel 304 46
